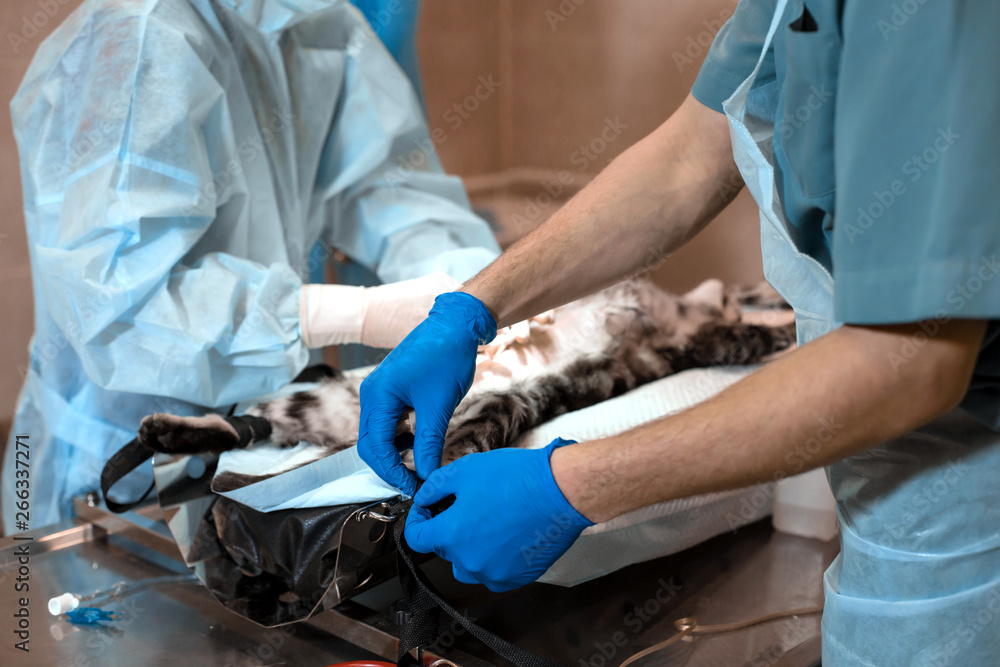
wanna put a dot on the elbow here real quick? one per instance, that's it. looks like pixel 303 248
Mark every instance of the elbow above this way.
pixel 928 375
pixel 930 388
pixel 942 371
pixel 947 385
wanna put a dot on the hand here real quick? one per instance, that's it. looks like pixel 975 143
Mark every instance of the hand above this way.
pixel 509 522
pixel 430 371
pixel 393 311
pixel 377 316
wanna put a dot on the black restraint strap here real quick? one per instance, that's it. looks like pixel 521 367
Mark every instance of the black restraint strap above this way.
pixel 250 429
pixel 426 603
pixel 317 373
pixel 127 459
pixel 133 455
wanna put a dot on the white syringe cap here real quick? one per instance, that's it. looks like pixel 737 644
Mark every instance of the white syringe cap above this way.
pixel 65 602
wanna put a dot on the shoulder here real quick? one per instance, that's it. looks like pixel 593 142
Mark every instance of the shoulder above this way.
pixel 100 32
pixel 103 43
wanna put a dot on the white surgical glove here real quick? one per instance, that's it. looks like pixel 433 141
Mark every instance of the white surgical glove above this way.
pixel 375 316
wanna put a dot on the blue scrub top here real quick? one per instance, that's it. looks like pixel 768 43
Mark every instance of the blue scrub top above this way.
pixel 887 154
pixel 395 23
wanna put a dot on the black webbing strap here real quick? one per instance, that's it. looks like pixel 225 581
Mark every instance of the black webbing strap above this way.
pixel 131 456
pixel 317 373
pixel 426 603
pixel 248 427
pixel 127 459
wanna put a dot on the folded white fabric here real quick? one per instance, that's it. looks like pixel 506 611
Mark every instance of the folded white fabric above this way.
pixel 334 480
pixel 657 530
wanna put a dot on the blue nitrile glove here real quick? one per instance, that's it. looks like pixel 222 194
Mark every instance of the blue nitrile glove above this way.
pixel 509 522
pixel 430 371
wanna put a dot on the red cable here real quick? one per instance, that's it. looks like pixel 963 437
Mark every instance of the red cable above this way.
pixel 363 663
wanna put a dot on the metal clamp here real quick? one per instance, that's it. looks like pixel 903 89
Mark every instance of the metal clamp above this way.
pixel 366 514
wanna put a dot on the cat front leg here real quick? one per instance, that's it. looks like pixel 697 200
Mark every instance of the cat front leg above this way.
pixel 173 434
pixel 760 295
pixel 736 344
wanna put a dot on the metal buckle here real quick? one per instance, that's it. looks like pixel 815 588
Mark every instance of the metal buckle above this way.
pixel 368 513
pixel 368 539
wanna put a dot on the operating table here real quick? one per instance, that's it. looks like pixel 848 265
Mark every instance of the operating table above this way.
pixel 732 577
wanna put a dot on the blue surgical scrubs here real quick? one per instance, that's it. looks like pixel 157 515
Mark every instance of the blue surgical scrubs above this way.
pixel 887 147
pixel 395 23
pixel 885 153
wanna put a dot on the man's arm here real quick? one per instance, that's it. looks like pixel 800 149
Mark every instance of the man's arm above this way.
pixel 840 390
pixel 842 384
pixel 645 205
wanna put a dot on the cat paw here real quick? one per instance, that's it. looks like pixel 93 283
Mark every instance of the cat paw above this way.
pixel 456 450
pixel 172 434
pixel 760 295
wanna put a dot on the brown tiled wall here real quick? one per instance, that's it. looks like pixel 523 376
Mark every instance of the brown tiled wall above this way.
pixel 23 26
pixel 563 68
pixel 459 42
pixel 562 74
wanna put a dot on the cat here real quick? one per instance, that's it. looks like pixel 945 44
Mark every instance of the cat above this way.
pixel 578 355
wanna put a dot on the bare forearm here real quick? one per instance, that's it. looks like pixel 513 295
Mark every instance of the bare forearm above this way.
pixel 826 401
pixel 645 205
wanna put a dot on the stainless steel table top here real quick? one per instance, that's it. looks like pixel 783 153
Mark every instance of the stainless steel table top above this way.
pixel 732 577
pixel 179 625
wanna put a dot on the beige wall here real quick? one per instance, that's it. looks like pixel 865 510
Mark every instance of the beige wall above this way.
pixel 565 67
pixel 29 25
pixel 562 73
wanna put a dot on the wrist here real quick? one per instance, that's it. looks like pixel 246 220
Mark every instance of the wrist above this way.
pixel 566 475
pixel 578 473
pixel 477 319
pixel 472 290
pixel 331 314
pixel 564 511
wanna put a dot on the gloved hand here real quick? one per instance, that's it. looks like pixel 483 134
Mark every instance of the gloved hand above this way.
pixel 509 522
pixel 377 316
pixel 430 371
